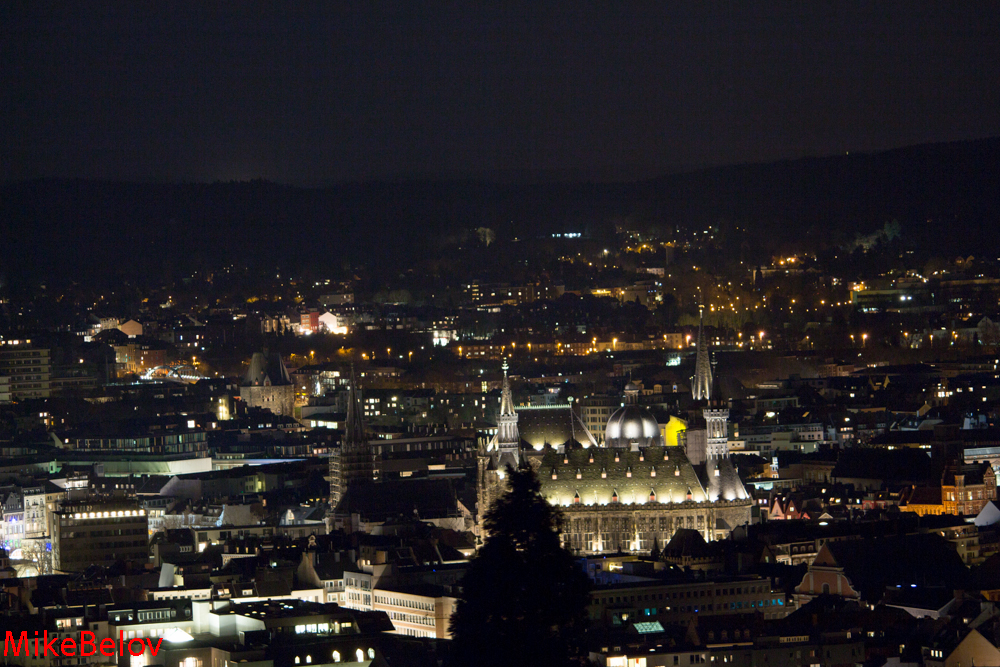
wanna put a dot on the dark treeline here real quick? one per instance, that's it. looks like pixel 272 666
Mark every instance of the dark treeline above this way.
pixel 944 197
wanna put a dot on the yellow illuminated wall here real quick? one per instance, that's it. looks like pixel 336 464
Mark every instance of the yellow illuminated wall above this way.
pixel 671 429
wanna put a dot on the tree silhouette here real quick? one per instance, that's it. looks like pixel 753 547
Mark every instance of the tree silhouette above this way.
pixel 523 600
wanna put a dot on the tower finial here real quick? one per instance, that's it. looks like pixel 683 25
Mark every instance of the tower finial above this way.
pixel 701 389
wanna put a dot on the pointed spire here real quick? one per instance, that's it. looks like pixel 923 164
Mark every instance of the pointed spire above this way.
pixel 357 461
pixel 701 387
pixel 508 439
pixel 355 428
pixel 506 401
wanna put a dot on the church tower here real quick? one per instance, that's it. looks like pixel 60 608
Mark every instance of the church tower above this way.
pixel 716 432
pixel 503 449
pixel 508 440
pixel 722 480
pixel 701 385
pixel 356 463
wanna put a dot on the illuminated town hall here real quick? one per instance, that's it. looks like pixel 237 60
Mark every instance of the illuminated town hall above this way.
pixel 633 490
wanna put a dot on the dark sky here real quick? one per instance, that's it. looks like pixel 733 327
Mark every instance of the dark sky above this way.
pixel 306 92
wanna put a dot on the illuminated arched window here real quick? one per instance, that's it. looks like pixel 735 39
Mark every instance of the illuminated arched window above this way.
pixel 371 654
pixel 360 655
pixel 297 661
pixel 309 659
pixel 336 656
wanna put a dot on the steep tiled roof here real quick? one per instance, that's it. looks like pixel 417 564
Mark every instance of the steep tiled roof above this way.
pixel 925 495
pixel 663 471
pixel 267 368
pixel 554 425
pixel 973 473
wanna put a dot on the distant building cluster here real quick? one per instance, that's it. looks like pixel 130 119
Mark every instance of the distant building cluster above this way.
pixel 783 462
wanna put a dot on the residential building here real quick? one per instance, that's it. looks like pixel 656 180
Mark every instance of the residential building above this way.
pixel 28 368
pixel 966 488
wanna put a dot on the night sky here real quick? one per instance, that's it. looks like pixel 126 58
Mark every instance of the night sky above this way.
pixel 310 93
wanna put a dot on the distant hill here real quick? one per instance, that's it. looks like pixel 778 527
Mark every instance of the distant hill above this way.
pixel 945 195
pixel 946 198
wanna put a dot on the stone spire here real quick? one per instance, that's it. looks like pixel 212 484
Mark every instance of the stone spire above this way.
pixel 701 385
pixel 357 462
pixel 508 441
pixel 506 401
pixel 722 482
pixel 355 435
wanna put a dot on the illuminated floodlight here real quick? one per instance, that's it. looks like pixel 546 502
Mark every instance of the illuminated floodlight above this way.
pixel 177 636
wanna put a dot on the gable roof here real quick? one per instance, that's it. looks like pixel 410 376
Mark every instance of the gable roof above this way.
pixel 266 368
pixel 974 474
pixel 925 495
pixel 664 472
pixel 989 515
pixel 687 542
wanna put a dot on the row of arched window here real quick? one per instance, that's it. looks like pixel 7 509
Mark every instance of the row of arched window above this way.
pixel 359 656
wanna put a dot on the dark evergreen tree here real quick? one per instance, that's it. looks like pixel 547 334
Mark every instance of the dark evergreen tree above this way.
pixel 524 598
